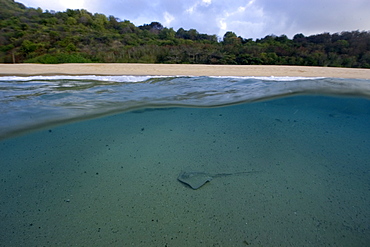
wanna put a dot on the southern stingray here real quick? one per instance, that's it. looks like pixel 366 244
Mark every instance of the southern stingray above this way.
pixel 196 179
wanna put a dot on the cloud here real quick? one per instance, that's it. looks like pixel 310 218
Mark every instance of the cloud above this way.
pixel 168 18
pixel 317 16
pixel 247 18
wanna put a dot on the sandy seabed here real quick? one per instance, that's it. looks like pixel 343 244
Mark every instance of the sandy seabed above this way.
pixel 112 181
pixel 180 69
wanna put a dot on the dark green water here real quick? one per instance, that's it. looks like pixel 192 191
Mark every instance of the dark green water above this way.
pixel 111 181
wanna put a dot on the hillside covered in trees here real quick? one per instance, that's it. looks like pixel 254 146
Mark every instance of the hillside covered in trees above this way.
pixel 33 35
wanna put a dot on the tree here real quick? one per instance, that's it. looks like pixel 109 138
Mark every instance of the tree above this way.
pixel 99 21
pixel 167 33
pixel 154 27
pixel 28 46
pixel 230 38
pixel 71 21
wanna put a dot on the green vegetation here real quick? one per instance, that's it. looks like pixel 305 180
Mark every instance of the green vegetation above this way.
pixel 77 36
pixel 59 58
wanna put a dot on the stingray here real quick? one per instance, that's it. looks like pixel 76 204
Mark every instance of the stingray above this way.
pixel 195 179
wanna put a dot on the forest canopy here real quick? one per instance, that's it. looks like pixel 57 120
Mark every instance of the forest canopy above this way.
pixel 78 36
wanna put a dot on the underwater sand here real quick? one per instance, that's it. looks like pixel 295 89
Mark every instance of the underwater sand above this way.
pixel 112 181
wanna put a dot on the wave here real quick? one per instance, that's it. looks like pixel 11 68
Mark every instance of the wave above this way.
pixel 39 101
pixel 121 78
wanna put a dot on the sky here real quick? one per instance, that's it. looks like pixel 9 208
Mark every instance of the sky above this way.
pixel 247 18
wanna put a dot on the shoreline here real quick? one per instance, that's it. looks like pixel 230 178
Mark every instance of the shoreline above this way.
pixel 138 69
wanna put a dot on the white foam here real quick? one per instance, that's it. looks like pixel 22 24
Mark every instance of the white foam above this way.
pixel 271 78
pixel 124 78
pixel 119 78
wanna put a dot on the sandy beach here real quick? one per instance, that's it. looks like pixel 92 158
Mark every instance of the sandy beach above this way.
pixel 180 69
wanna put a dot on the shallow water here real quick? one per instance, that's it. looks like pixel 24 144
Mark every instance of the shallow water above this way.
pixel 28 103
pixel 112 180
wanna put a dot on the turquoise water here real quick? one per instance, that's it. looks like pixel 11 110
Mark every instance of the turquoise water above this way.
pixel 100 166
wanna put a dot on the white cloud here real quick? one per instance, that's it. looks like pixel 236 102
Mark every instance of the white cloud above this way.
pixel 241 19
pixel 168 18
pixel 207 2
pixel 73 4
pixel 191 9
pixel 194 7
pixel 241 9
pixel 55 4
pixel 222 24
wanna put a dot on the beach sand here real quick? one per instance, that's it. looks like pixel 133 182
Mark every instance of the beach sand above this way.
pixel 180 69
